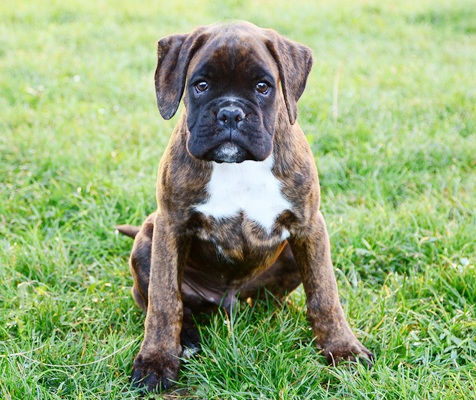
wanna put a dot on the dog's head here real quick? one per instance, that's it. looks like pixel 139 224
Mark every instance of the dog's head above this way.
pixel 230 74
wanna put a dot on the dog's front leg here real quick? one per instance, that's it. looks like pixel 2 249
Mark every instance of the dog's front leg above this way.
pixel 333 335
pixel 157 364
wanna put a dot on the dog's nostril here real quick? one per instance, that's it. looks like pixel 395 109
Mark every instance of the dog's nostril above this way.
pixel 230 114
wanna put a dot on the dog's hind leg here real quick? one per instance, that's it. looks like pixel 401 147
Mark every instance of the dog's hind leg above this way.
pixel 140 262
pixel 189 336
pixel 138 299
pixel 280 278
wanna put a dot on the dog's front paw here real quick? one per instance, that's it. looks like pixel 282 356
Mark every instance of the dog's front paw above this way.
pixel 155 373
pixel 339 351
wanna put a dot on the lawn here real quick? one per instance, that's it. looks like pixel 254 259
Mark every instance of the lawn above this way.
pixel 395 146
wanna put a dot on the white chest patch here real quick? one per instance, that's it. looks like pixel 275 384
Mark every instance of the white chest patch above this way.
pixel 250 187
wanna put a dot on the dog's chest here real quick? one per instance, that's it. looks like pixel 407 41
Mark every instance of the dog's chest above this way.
pixel 249 189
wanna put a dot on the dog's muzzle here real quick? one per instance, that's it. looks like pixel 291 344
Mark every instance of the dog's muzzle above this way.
pixel 230 118
pixel 232 133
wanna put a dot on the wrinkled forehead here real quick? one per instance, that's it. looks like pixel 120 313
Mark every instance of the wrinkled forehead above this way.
pixel 234 52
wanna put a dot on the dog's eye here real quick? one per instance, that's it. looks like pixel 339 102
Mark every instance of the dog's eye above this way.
pixel 202 86
pixel 262 87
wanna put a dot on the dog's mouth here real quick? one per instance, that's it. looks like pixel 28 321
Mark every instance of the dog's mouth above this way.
pixel 228 152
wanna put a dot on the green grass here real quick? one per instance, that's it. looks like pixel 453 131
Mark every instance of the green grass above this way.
pixel 80 141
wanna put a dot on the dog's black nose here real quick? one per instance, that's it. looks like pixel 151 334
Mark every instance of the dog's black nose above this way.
pixel 230 116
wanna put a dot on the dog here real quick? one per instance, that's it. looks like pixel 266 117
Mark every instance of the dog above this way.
pixel 237 197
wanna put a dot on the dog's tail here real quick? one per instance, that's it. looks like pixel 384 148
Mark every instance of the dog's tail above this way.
pixel 128 230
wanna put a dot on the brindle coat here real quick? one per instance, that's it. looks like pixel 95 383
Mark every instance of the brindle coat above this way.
pixel 184 261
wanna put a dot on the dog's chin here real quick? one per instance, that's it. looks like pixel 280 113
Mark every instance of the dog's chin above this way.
pixel 228 153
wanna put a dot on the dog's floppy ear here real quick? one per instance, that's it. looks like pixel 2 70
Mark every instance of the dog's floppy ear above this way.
pixel 174 53
pixel 294 62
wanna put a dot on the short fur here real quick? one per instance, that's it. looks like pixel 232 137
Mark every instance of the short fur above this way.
pixel 185 261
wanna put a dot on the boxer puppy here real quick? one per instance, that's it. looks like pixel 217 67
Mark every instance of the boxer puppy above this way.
pixel 237 197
